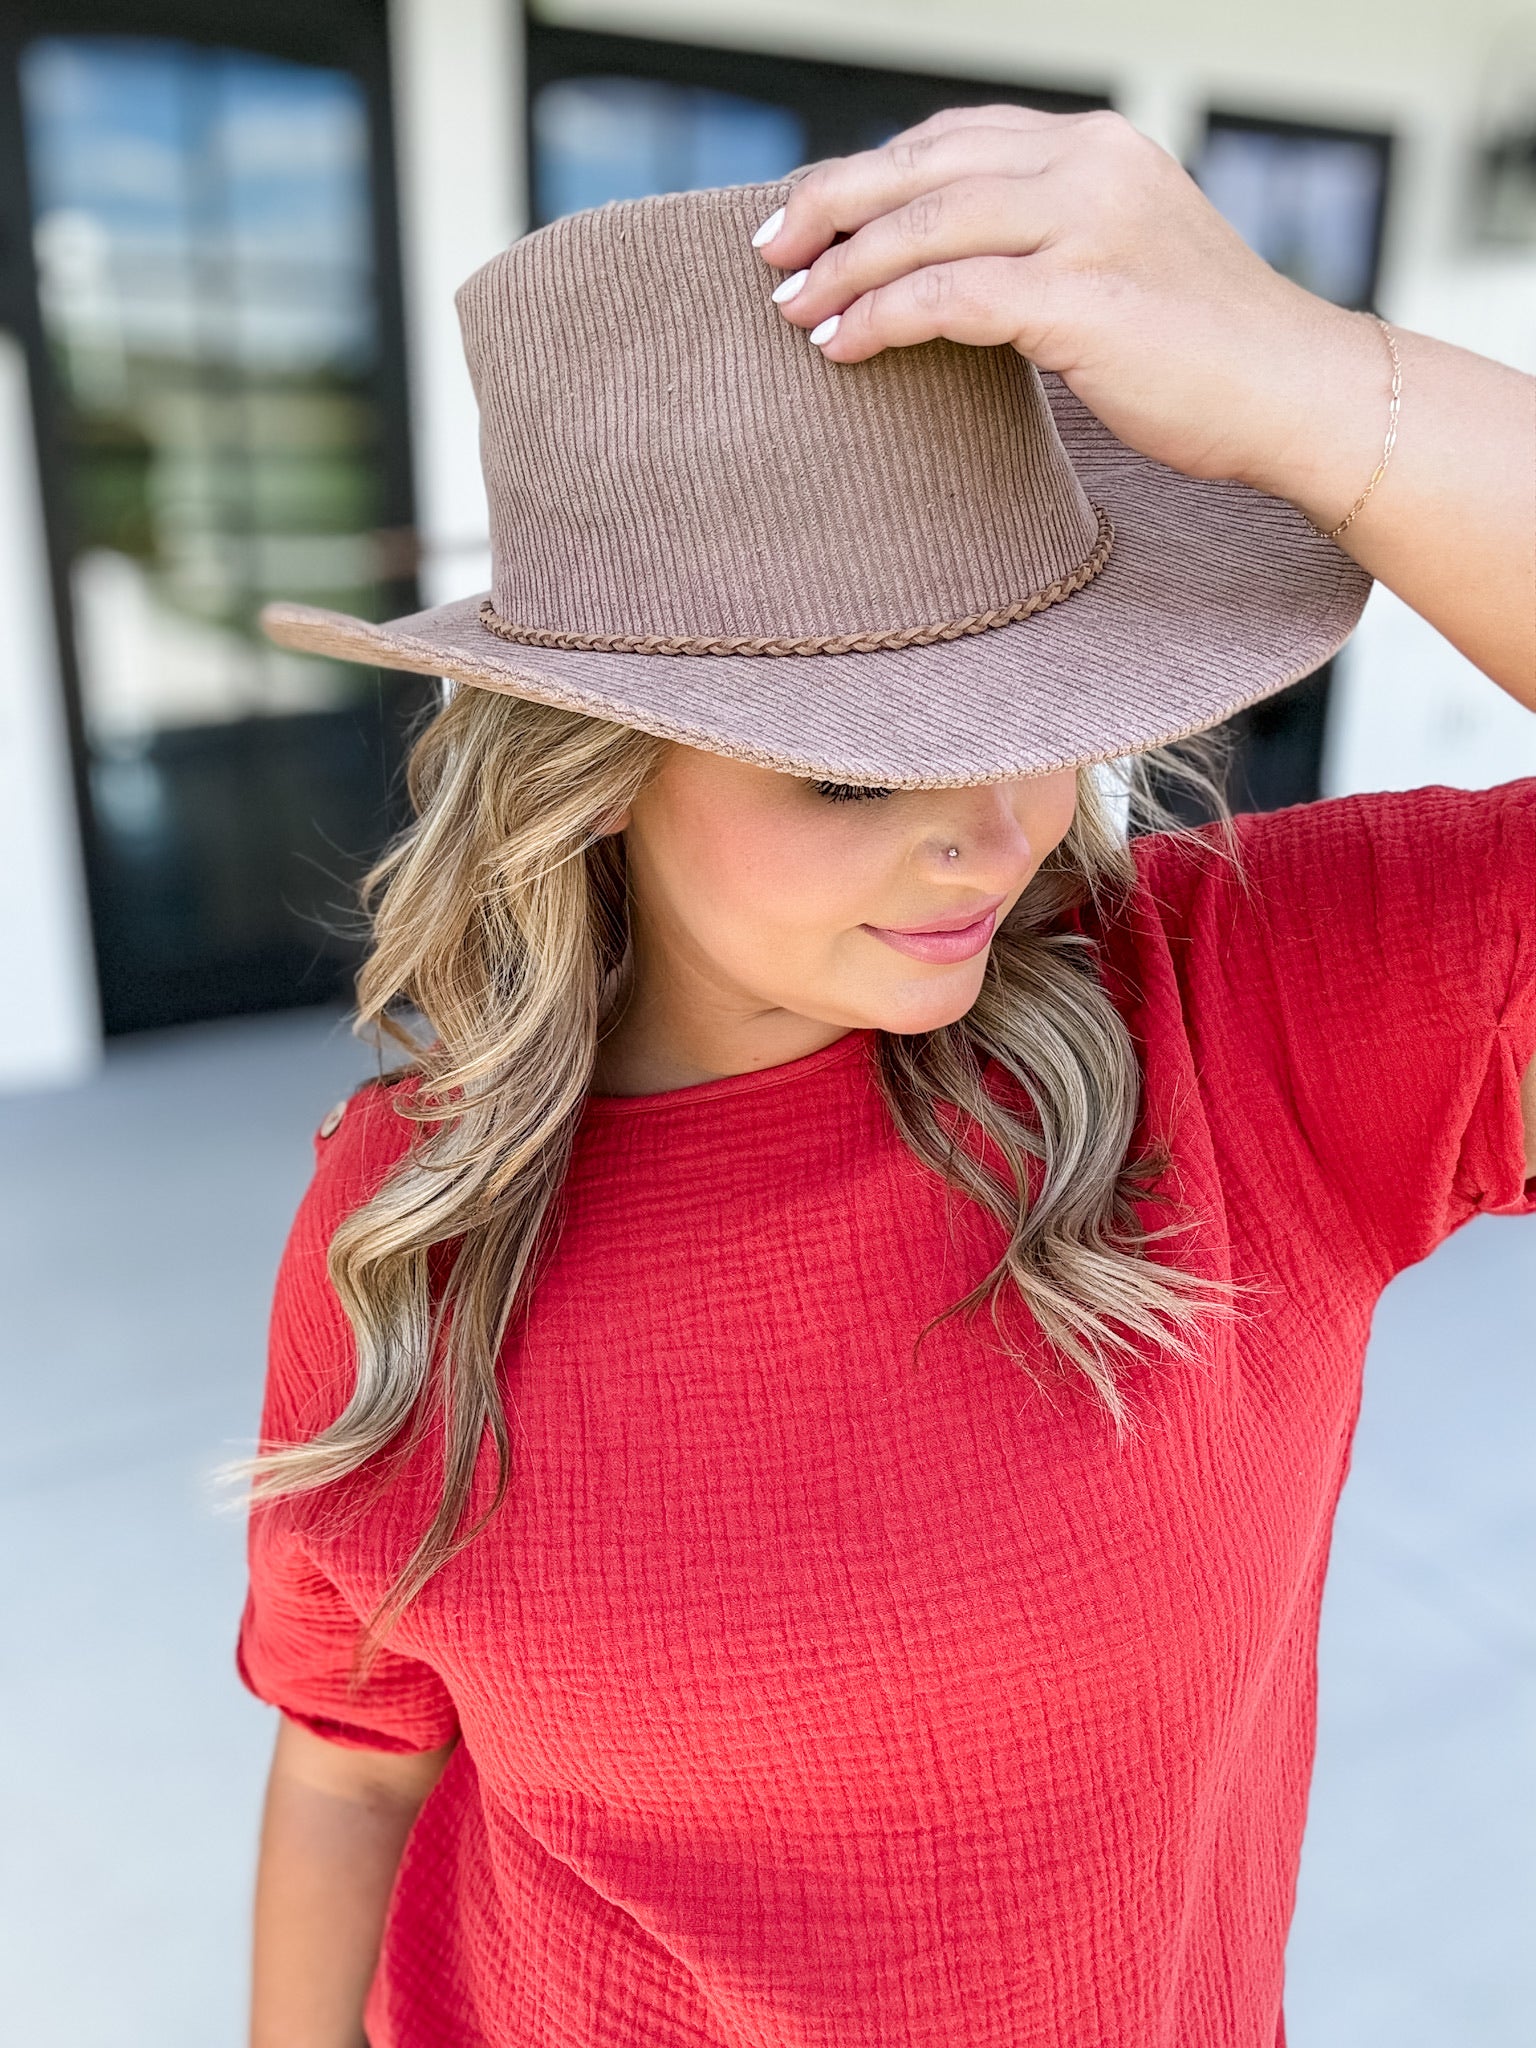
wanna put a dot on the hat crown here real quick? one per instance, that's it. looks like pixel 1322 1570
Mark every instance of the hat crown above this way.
pixel 665 455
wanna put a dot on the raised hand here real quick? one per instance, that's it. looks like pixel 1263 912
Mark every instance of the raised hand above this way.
pixel 1089 249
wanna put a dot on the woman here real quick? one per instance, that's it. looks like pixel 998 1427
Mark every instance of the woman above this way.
pixel 802 1433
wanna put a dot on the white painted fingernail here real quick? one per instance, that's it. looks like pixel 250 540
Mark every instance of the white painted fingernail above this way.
pixel 789 287
pixel 827 329
pixel 769 229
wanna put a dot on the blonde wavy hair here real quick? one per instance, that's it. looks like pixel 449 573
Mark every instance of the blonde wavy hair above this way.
pixel 500 918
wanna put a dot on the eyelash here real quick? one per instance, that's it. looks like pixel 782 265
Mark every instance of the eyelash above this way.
pixel 848 792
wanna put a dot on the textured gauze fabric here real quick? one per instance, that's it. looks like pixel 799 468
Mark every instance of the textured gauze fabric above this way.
pixel 813 1695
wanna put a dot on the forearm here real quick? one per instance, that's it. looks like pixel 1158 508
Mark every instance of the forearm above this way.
pixel 333 1828
pixel 1451 527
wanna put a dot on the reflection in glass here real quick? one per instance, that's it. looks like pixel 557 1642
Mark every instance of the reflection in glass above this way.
pixel 1309 204
pixel 202 231
pixel 596 139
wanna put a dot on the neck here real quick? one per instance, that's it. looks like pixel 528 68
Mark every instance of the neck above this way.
pixel 678 1030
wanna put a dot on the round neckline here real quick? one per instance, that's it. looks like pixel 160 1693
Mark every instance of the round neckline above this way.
pixel 698 1093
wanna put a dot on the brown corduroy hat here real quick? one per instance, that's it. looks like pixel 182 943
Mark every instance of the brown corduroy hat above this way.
pixel 930 569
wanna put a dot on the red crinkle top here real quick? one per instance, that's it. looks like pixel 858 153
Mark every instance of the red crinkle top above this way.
pixel 812 1697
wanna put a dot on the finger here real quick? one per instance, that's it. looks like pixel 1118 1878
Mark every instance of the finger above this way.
pixel 975 216
pixel 844 193
pixel 982 301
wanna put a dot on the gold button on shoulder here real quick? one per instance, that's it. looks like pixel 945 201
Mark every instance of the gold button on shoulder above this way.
pixel 332 1119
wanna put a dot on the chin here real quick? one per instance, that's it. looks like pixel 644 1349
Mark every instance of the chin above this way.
pixel 918 1009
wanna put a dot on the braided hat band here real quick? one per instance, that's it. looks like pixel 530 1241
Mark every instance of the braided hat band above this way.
pixel 815 643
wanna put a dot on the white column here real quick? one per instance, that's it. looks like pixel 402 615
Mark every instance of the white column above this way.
pixel 458 101
pixel 1164 101
pixel 50 1029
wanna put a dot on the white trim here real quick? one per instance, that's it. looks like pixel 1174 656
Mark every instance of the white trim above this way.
pixel 50 1029
pixel 456 67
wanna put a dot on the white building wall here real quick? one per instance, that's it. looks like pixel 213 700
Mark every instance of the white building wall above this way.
pixel 49 1024
pixel 1327 60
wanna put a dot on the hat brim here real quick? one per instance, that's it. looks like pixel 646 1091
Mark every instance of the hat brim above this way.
pixel 1214 597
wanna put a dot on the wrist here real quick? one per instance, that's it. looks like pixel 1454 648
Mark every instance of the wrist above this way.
pixel 1328 419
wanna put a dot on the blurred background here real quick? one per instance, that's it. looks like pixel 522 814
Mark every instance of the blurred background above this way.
pixel 230 369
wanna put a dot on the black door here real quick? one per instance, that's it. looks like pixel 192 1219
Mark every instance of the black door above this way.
pixel 199 244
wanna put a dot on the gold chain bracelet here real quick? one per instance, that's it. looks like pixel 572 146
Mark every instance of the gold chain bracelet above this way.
pixel 1391 441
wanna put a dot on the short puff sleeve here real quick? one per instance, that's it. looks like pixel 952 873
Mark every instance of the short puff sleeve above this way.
pixel 1367 971
pixel 300 1628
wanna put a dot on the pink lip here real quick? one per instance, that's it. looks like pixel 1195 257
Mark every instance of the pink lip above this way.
pixel 946 939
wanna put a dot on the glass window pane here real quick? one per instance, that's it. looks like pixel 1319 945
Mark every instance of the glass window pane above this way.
pixel 292 149
pixel 203 232
pixel 596 139
pixel 1308 204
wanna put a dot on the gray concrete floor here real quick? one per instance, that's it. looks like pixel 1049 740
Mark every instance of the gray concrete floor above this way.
pixel 142 1218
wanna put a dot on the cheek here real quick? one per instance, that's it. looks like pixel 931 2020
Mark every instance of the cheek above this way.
pixel 1049 816
pixel 762 874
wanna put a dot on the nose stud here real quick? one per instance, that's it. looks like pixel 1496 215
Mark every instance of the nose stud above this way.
pixel 954 853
